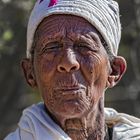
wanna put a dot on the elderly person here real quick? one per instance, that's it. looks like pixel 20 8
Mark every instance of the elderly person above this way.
pixel 71 60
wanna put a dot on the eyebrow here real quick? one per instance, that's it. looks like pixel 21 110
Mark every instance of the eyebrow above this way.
pixel 74 36
pixel 95 36
pixel 92 37
pixel 52 36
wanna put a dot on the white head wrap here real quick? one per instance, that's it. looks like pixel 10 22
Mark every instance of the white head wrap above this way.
pixel 102 14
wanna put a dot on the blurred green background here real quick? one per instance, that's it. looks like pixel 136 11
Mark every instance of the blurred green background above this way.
pixel 15 95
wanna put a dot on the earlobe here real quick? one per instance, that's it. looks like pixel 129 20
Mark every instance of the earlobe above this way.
pixel 27 68
pixel 118 67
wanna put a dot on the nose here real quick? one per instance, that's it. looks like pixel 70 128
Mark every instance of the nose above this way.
pixel 68 62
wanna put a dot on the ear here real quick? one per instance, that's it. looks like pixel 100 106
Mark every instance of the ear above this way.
pixel 27 68
pixel 118 68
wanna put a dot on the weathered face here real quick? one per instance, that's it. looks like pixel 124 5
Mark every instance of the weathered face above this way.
pixel 70 65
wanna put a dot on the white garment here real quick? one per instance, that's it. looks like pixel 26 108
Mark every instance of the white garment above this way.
pixel 125 127
pixel 35 124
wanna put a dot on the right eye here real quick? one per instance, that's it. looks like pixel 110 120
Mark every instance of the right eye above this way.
pixel 50 47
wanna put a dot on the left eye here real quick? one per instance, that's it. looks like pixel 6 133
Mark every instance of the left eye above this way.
pixel 85 47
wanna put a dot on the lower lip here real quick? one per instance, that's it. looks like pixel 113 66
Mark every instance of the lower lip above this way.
pixel 71 103
pixel 70 90
pixel 70 95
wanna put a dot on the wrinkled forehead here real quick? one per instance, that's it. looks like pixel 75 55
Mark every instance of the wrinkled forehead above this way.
pixel 68 23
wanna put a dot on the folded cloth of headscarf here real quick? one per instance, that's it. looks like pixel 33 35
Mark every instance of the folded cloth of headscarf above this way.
pixel 102 14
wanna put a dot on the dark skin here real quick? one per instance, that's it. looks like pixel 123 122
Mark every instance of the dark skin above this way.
pixel 71 69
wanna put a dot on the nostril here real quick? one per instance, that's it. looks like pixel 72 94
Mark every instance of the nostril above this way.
pixel 62 68
pixel 68 67
pixel 73 68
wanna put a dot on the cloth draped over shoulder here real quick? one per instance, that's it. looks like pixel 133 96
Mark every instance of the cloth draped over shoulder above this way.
pixel 35 124
pixel 125 127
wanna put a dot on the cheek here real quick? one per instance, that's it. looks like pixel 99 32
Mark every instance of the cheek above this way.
pixel 94 68
pixel 47 97
pixel 91 67
pixel 45 69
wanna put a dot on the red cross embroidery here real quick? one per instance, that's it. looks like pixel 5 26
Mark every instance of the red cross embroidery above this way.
pixel 40 1
pixel 52 2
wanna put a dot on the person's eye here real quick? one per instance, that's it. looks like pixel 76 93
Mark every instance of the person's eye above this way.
pixel 83 46
pixel 50 47
pixel 86 47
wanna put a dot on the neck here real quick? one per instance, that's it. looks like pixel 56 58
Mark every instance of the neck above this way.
pixel 89 127
pixel 79 129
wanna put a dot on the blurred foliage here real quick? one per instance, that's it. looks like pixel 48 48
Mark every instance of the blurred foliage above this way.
pixel 13 22
pixel 15 95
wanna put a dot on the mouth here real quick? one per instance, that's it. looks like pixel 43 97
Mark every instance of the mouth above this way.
pixel 71 97
pixel 70 93
pixel 71 88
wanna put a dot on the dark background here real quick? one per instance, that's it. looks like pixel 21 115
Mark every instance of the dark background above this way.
pixel 15 95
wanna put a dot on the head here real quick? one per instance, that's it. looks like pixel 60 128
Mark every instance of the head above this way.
pixel 72 59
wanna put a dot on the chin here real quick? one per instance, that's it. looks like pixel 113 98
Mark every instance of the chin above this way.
pixel 71 109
